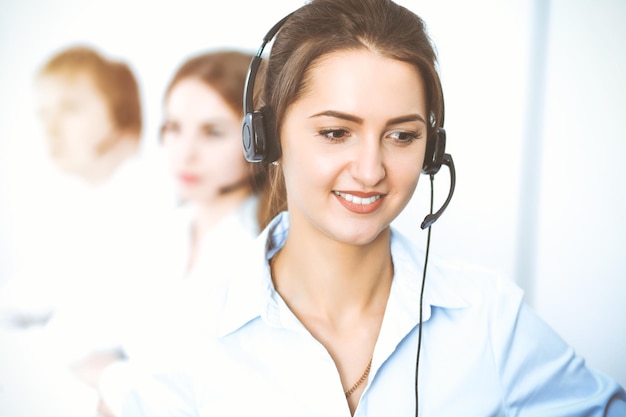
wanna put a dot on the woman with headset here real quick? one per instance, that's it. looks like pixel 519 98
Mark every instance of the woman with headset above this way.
pixel 330 315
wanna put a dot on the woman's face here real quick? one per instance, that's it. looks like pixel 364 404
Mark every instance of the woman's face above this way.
pixel 202 136
pixel 76 119
pixel 353 145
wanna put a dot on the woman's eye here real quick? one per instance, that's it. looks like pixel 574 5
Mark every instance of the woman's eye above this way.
pixel 405 137
pixel 70 106
pixel 211 131
pixel 170 127
pixel 334 134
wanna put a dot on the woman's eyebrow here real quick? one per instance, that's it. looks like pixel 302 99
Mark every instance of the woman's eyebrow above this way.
pixel 351 118
pixel 407 118
pixel 339 115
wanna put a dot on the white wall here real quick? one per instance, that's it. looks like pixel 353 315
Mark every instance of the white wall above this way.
pixel 485 60
pixel 580 285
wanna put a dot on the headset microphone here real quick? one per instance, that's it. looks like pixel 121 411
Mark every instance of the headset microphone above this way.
pixel 436 157
pixel 432 218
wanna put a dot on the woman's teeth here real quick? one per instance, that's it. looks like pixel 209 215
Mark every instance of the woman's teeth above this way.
pixel 357 200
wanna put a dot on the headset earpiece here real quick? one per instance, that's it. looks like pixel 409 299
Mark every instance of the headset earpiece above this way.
pixel 435 150
pixel 259 139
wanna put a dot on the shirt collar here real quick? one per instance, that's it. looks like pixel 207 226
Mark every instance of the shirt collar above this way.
pixel 251 294
pixel 251 290
pixel 408 274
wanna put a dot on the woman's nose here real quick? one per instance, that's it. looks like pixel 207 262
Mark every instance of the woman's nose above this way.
pixel 50 121
pixel 368 166
pixel 187 147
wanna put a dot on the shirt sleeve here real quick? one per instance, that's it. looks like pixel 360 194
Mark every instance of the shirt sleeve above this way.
pixel 541 375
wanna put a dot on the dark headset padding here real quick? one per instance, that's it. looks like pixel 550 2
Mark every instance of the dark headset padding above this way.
pixel 259 140
pixel 435 150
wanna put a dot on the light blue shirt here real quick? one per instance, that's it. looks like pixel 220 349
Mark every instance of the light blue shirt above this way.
pixel 484 353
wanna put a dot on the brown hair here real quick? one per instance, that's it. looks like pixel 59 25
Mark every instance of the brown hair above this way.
pixel 325 26
pixel 225 71
pixel 114 79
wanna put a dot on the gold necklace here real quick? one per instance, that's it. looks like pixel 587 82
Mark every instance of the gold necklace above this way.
pixel 360 381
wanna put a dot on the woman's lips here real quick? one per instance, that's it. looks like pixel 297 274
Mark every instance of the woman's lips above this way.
pixel 359 202
pixel 188 179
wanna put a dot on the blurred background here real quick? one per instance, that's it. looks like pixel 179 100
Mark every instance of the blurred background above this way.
pixel 535 99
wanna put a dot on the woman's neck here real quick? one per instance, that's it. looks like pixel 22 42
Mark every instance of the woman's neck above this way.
pixel 325 278
pixel 339 292
pixel 209 213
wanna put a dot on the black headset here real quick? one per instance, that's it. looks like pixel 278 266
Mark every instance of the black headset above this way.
pixel 260 143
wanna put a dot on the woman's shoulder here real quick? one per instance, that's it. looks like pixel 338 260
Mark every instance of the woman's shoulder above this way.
pixel 472 282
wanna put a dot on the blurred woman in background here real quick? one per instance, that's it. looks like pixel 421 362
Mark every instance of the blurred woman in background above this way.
pixel 201 134
pixel 91 112
pixel 222 209
pixel 97 185
pixel 69 223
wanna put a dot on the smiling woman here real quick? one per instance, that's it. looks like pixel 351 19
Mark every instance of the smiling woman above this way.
pixel 327 317
pixel 363 145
